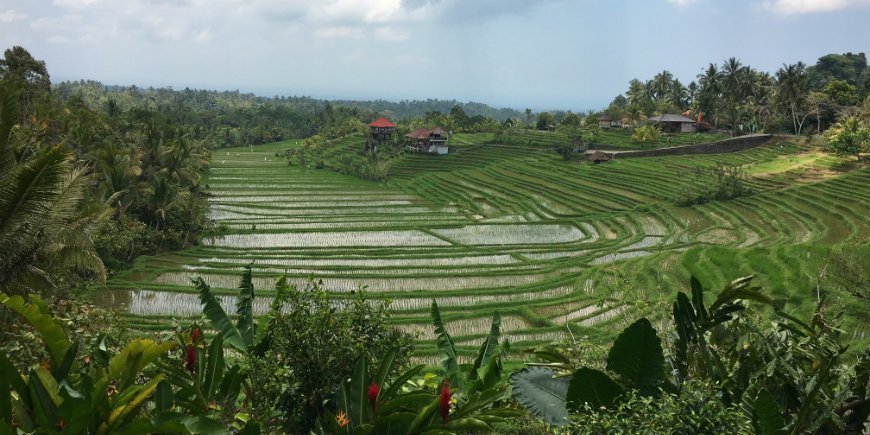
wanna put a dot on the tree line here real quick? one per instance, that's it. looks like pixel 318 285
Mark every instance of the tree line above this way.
pixel 796 99
pixel 86 191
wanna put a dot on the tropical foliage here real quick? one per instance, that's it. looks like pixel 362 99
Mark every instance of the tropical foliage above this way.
pixel 732 374
pixel 850 137
pixel 46 220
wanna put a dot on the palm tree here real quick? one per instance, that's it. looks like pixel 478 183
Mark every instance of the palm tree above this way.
pixel 677 94
pixel 638 96
pixel 692 94
pixel 45 223
pixel 661 85
pixel 734 88
pixel 792 88
pixel 710 90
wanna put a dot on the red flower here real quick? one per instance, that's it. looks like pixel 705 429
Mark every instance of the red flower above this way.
pixel 374 390
pixel 190 361
pixel 195 335
pixel 445 401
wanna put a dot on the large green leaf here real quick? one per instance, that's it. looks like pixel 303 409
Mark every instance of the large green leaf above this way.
pixel 215 314
pixel 387 365
pixel 449 362
pixel 684 323
pixel 469 425
pixel 359 388
pixel 767 418
pixel 214 369
pixel 396 423
pixel 542 393
pixel 49 328
pixel 698 300
pixel 127 411
pixel 245 308
pixel 231 384
pixel 134 357
pixel 638 357
pixel 593 387
pixel 163 398
pixel 425 416
pixel 29 191
pixel 740 289
pixel 397 384
pixel 488 349
pixel 45 399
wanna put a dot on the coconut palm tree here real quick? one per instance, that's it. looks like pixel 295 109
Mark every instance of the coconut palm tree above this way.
pixel 639 96
pixel 792 88
pixel 45 220
pixel 677 94
pixel 710 91
pixel 735 77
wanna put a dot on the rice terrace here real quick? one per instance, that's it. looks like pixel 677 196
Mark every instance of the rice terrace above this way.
pixel 439 217
pixel 556 247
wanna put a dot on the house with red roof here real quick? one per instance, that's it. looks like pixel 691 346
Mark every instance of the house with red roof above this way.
pixel 428 140
pixel 380 130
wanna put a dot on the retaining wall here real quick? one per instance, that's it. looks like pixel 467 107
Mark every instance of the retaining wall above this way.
pixel 730 145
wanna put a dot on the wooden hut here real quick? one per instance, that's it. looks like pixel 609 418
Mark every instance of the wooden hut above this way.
pixel 673 123
pixel 428 140
pixel 380 130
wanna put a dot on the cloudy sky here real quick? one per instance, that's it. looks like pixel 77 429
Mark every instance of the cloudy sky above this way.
pixel 563 54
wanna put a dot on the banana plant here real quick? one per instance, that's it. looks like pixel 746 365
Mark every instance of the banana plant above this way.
pixel 245 335
pixel 68 394
pixel 241 334
pixel 465 401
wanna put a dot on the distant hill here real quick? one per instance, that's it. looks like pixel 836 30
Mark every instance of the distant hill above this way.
pixel 97 95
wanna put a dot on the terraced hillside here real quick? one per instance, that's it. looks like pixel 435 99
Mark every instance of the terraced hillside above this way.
pixel 554 246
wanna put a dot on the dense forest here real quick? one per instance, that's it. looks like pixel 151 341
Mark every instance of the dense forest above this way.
pixel 93 176
pixel 231 118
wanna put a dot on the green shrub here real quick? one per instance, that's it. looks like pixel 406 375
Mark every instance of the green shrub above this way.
pixel 698 409
pixel 714 183
pixel 313 346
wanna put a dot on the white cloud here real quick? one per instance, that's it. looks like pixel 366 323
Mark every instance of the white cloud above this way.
pixel 10 16
pixel 682 3
pixel 339 32
pixel 74 3
pixel 794 7
pixel 58 39
pixel 390 34
pixel 204 35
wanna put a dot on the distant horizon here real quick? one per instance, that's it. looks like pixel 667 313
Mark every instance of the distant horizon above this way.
pixel 541 54
pixel 267 93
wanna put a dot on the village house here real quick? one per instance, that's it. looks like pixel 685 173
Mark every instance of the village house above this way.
pixel 428 140
pixel 672 123
pixel 380 130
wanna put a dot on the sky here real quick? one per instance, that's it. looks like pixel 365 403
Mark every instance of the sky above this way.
pixel 542 54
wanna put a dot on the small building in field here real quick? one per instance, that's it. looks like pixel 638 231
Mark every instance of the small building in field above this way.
pixel 673 123
pixel 598 157
pixel 428 140
pixel 380 130
pixel 605 121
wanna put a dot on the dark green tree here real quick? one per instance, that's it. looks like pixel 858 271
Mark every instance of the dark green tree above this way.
pixel 19 70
